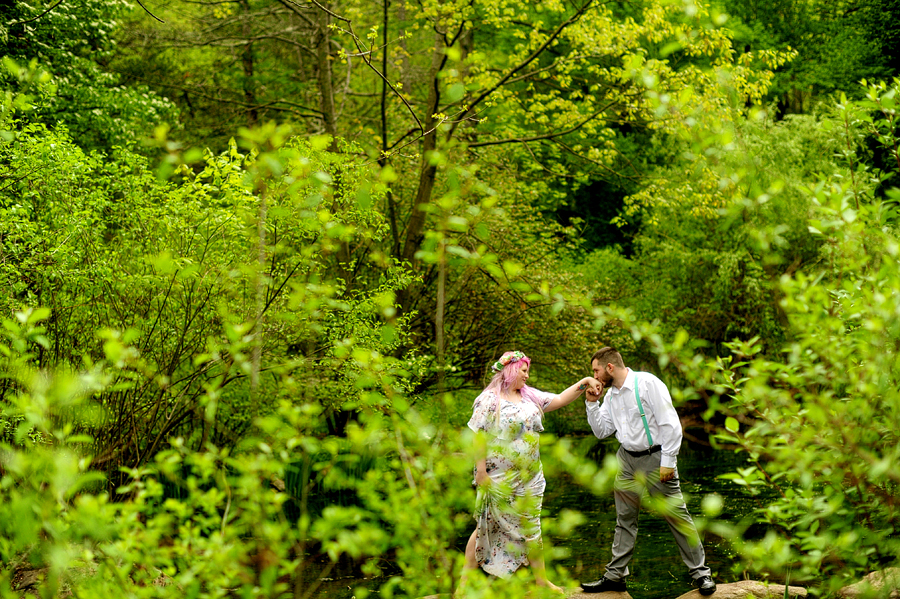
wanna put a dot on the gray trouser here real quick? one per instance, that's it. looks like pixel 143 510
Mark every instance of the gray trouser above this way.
pixel 628 495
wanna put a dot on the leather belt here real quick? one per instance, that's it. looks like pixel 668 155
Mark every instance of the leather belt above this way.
pixel 639 454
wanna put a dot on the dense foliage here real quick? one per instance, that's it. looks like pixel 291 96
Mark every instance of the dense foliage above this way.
pixel 231 369
pixel 73 42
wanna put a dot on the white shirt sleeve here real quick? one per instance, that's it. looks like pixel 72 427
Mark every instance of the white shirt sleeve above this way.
pixel 668 424
pixel 546 398
pixel 599 419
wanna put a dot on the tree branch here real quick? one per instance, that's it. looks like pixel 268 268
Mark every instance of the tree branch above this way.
pixel 149 13
pixel 295 8
pixel 40 16
pixel 503 80
pixel 366 56
pixel 576 127
pixel 271 105
pixel 549 67
pixel 611 170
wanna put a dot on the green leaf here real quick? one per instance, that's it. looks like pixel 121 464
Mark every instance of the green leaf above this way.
pixel 456 92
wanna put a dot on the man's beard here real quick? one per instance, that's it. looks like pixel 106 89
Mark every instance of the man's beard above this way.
pixel 606 378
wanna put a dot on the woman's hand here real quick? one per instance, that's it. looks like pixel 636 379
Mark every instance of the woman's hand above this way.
pixel 481 475
pixel 594 386
pixel 588 384
pixel 594 389
pixel 482 478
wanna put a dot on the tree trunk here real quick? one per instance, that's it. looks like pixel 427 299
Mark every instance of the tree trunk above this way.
pixel 262 262
pixel 325 75
pixel 329 116
pixel 247 63
pixel 428 171
pixel 439 356
pixel 383 160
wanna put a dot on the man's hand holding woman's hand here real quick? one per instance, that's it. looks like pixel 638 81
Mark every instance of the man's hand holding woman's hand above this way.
pixel 594 389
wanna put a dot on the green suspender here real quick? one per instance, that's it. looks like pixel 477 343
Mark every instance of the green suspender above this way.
pixel 637 396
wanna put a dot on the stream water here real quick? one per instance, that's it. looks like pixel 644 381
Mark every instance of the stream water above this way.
pixel 656 568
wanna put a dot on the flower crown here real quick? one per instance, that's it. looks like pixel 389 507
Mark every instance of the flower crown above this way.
pixel 506 359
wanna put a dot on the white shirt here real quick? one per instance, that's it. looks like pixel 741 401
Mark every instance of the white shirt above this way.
pixel 619 414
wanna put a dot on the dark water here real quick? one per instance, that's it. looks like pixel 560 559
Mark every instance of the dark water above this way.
pixel 656 568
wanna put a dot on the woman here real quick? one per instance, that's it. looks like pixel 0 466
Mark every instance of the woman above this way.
pixel 507 418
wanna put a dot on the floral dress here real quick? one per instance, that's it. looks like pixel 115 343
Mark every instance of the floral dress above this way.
pixel 508 511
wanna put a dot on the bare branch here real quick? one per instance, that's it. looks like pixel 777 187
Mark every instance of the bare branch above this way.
pixel 295 8
pixel 40 16
pixel 148 12
pixel 401 138
pixel 336 16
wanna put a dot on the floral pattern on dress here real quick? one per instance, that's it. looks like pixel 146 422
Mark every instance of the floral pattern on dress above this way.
pixel 507 512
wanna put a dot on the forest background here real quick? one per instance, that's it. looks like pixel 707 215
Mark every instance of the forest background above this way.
pixel 258 256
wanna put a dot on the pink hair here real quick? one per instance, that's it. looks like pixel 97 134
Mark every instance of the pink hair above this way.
pixel 504 379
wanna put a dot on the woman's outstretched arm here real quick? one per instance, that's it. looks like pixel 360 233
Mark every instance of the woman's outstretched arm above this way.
pixel 574 392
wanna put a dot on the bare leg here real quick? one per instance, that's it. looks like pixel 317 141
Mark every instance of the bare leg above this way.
pixel 471 562
pixel 536 559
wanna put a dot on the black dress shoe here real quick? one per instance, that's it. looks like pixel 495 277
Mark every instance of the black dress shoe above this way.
pixel 706 585
pixel 605 585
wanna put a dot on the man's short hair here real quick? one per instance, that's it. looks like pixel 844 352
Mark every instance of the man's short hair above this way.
pixel 608 355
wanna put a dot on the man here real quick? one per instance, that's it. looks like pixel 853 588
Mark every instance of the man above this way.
pixel 638 410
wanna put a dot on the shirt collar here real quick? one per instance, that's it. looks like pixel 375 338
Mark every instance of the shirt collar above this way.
pixel 628 384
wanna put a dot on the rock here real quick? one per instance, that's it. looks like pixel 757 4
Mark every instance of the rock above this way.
pixel 732 590
pixel 611 595
pixel 872 583
pixel 27 579
pixel 743 588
